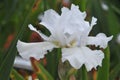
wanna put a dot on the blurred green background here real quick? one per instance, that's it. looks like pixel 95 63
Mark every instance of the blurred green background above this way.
pixel 15 15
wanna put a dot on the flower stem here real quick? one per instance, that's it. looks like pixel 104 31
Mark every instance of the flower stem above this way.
pixel 103 72
pixel 70 73
pixel 84 73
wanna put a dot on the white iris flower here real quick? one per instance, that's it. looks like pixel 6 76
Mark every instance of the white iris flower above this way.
pixel 69 31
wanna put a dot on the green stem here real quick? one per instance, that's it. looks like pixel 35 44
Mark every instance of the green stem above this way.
pixel 71 72
pixel 84 73
pixel 15 75
pixel 52 62
pixel 103 72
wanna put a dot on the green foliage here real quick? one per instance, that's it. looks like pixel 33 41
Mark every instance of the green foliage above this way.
pixel 103 72
pixel 108 22
pixel 115 72
pixel 15 75
pixel 41 72
pixel 53 59
pixel 7 61
pixel 84 73
pixel 81 3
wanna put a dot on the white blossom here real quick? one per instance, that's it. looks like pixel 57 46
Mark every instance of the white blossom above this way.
pixel 69 31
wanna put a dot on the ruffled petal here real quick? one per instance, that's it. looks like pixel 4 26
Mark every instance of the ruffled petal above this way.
pixel 36 50
pixel 100 40
pixel 93 58
pixel 76 9
pixel 93 22
pixel 72 55
pixel 73 20
pixel 41 34
pixel 49 20
pixel 64 10
pixel 82 55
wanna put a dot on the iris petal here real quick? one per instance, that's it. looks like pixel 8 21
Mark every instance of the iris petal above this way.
pixel 82 55
pixel 100 40
pixel 93 22
pixel 49 20
pixel 36 50
pixel 41 34
pixel 69 31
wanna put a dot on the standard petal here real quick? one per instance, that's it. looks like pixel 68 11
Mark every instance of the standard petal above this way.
pixel 73 20
pixel 76 9
pixel 36 50
pixel 64 10
pixel 100 40
pixel 82 55
pixel 41 34
pixel 50 19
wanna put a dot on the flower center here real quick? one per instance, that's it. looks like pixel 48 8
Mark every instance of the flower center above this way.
pixel 72 43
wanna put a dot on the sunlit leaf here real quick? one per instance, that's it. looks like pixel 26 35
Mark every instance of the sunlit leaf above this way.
pixel 15 75
pixel 41 72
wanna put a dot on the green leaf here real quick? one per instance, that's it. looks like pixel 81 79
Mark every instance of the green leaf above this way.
pixel 113 22
pixel 51 3
pixel 53 59
pixel 81 3
pixel 114 72
pixel 41 72
pixel 15 75
pixel 84 73
pixel 7 62
pixel 103 72
pixel 115 8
